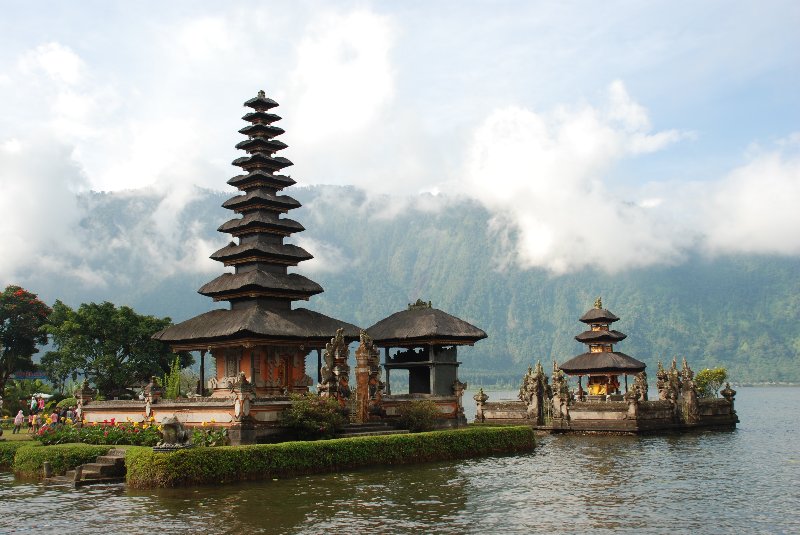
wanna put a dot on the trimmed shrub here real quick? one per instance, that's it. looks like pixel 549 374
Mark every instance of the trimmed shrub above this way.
pixel 312 417
pixel 67 402
pixel 418 415
pixel 147 469
pixel 28 461
pixel 9 449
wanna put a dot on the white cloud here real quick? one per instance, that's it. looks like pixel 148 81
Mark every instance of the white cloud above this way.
pixel 343 76
pixel 40 212
pixel 327 257
pixel 543 178
pixel 57 61
pixel 754 209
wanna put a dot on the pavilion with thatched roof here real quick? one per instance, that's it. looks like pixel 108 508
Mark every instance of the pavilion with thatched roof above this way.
pixel 426 342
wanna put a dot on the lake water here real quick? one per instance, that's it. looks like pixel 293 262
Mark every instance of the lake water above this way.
pixel 745 481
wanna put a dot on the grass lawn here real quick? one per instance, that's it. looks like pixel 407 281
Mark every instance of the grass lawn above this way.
pixel 19 436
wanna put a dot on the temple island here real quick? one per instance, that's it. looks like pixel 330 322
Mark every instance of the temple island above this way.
pixel 261 342
pixel 608 406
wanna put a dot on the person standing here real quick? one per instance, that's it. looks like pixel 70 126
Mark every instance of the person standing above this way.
pixel 18 419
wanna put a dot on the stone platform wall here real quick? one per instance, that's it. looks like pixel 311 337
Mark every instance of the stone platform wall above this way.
pixel 247 421
pixel 451 412
pixel 615 416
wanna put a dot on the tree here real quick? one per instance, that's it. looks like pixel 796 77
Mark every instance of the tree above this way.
pixel 709 381
pixel 22 315
pixel 112 347
pixel 18 394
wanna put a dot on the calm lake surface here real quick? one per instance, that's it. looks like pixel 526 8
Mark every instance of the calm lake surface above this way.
pixel 745 481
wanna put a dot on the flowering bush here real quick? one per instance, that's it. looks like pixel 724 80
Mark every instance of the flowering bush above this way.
pixel 313 417
pixel 108 432
pixel 209 436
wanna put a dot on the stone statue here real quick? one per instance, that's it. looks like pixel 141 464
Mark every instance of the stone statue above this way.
pixel 675 383
pixel 729 394
pixel 458 392
pixel 661 382
pixel 480 398
pixel 640 383
pixel 173 435
pixel 336 373
pixel 367 379
pixel 691 410
pixel 535 392
pixel 561 396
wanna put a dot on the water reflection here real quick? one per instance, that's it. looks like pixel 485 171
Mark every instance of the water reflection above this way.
pixel 715 482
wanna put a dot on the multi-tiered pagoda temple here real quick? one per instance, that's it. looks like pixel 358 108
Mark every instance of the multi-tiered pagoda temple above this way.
pixel 261 338
pixel 601 363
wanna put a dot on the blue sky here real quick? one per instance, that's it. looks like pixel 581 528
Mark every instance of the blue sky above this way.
pixel 674 120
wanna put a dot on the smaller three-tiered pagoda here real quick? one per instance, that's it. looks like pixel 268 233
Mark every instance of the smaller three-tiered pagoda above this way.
pixel 601 364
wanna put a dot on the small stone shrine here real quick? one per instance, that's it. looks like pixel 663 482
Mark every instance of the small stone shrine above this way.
pixel 601 364
pixel 425 342
pixel 607 408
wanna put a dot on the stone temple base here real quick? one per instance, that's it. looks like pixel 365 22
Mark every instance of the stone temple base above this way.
pixel 248 422
pixel 616 416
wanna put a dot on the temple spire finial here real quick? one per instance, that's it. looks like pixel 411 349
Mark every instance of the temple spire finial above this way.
pixel 598 303
pixel 261 94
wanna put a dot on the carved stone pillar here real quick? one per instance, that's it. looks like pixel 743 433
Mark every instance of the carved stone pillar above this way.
pixel 364 355
pixel 480 398
pixel 336 373
pixel 458 391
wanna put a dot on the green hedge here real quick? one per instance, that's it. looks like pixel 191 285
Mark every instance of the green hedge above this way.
pixel 147 469
pixel 28 461
pixel 8 449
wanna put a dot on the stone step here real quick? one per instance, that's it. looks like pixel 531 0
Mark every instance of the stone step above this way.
pixel 107 470
pixel 111 460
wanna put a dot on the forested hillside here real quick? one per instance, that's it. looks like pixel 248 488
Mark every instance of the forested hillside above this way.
pixel 739 312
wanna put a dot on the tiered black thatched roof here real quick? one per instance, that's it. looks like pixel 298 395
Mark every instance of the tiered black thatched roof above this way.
pixel 601 337
pixel 607 361
pixel 601 358
pixel 422 324
pixel 255 324
pixel 598 314
pixel 260 290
